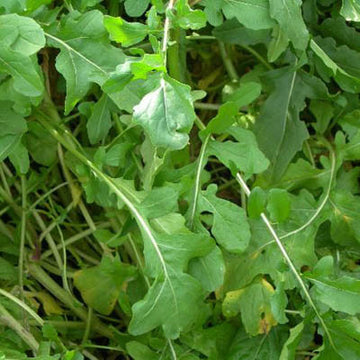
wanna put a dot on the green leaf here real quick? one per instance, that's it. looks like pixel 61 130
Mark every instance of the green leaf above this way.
pixel 8 271
pixel 242 95
pixel 209 270
pixel 279 131
pixel 166 303
pixel 12 126
pixel 213 11
pixel 345 217
pixel 38 139
pixel 86 55
pixel 21 34
pixel 256 203
pixel 350 10
pixel 341 62
pixel 166 114
pixel 139 351
pixel 32 5
pixel 257 347
pixel 160 202
pixel 339 294
pixel 19 157
pixel 100 122
pixel 223 120
pixel 288 14
pixel 254 304
pixel 12 6
pixel 136 8
pixel 188 18
pixel 345 333
pixel 232 32
pixel 244 154
pixel 289 350
pixel 254 14
pixel 100 286
pixel 278 44
pixel 123 32
pixel 278 205
pixel 230 226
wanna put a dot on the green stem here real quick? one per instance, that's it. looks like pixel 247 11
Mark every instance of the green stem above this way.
pixel 7 319
pixel 229 66
pixel 257 56
pixel 22 236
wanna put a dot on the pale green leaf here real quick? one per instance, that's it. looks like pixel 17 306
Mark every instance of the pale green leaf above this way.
pixel 340 294
pixel 230 226
pixel 350 10
pixel 243 154
pixel 100 122
pixel 278 205
pixel 12 126
pixel 100 285
pixel 254 14
pixel 123 32
pixel 86 55
pixel 288 14
pixel 166 114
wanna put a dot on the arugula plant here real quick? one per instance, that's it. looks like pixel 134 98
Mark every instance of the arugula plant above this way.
pixel 179 179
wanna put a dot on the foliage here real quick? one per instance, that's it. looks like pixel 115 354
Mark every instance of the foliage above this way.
pixel 179 179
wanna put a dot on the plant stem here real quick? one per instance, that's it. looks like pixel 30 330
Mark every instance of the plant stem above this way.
pixel 229 66
pixel 22 236
pixel 167 26
pixel 7 319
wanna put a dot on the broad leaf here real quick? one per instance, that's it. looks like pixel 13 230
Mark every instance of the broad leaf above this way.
pixel 338 293
pixel 12 126
pixel 100 286
pixel 288 14
pixel 86 55
pixel 350 10
pixel 254 14
pixel 230 226
pixel 166 114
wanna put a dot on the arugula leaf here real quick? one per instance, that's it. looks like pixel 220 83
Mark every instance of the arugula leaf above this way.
pixel 100 122
pixel 226 216
pixel 86 55
pixel 279 131
pixel 124 32
pixel 288 15
pixel 166 114
pixel 254 304
pixel 350 10
pixel 338 293
pixel 13 126
pixel 100 286
pixel 254 14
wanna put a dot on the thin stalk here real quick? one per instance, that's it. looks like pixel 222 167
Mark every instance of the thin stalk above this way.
pixel 167 26
pixel 283 251
pixel 205 106
pixel 229 66
pixel 88 326
pixel 22 236
pixel 7 319
pixel 71 240
pixel 5 183
pixel 289 261
pixel 24 306
pixel 323 203
pixel 197 186
pixel 257 56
